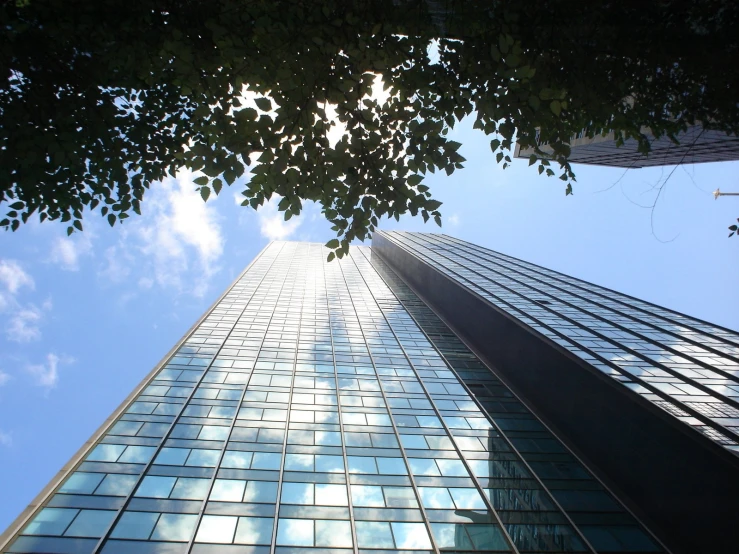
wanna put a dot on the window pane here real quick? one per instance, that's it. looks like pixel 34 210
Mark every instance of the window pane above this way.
pixel 361 464
pixel 172 456
pixel 216 529
pixel 295 532
pixel 50 521
pixel 374 534
pixel 487 537
pixel 203 458
pixel 254 530
pixel 331 495
pixel 452 468
pixel 436 497
pixel 156 487
pixel 297 493
pixel 106 453
pixel 240 460
pixel 175 527
pixel 117 485
pixel 400 497
pixel 329 464
pixel 137 454
pixel 467 499
pixel 363 495
pixel 333 533
pixel 190 489
pixel 450 535
pixel 423 467
pixel 266 460
pixel 391 466
pixel 90 523
pixel 228 490
pixel 299 462
pixel 411 535
pixel 260 491
pixel 82 483
pixel 135 525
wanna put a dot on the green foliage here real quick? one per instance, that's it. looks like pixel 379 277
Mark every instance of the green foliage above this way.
pixel 98 100
pixel 734 229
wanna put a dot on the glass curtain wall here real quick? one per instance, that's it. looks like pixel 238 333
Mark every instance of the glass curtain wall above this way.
pixel 316 409
pixel 687 367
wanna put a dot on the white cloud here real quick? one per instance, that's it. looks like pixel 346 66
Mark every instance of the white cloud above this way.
pixel 21 320
pixel 6 439
pixel 4 377
pixel 23 324
pixel 67 251
pixel 272 224
pixel 47 374
pixel 118 261
pixel 13 276
pixel 453 220
pixel 176 243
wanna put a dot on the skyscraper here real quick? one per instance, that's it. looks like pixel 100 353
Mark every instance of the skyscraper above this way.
pixel 344 407
pixel 697 145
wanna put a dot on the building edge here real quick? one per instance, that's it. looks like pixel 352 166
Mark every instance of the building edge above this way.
pixel 17 525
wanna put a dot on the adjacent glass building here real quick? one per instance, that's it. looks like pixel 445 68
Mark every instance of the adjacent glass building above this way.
pixel 697 145
pixel 345 408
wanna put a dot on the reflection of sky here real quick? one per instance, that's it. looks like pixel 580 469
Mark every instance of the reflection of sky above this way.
pixel 295 532
pixel 216 529
pixel 175 527
pixel 411 535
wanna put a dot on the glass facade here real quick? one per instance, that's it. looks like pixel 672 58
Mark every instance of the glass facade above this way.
pixel 685 366
pixel 323 408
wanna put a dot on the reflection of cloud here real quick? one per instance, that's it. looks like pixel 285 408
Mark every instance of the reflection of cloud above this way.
pixel 272 224
pixel 295 532
pixel 411 535
pixel 176 242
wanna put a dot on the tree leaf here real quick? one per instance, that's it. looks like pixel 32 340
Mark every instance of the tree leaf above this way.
pixel 263 104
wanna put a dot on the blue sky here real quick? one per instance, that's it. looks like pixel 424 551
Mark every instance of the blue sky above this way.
pixel 85 318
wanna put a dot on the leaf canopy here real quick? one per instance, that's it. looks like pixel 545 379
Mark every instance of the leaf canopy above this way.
pixel 99 100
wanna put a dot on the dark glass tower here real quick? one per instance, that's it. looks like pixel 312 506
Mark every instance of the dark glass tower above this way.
pixel 375 404
pixel 697 145
pixel 647 397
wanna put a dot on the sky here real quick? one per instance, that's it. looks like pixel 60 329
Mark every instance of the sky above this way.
pixel 83 319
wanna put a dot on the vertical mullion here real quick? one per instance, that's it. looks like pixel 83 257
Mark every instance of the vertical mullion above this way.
pixel 418 252
pixel 278 503
pixel 426 521
pixel 624 299
pixel 514 395
pixel 347 475
pixel 521 281
pixel 148 465
pixel 478 486
pixel 236 416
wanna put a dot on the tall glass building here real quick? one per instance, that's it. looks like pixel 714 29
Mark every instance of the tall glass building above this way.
pixel 419 396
